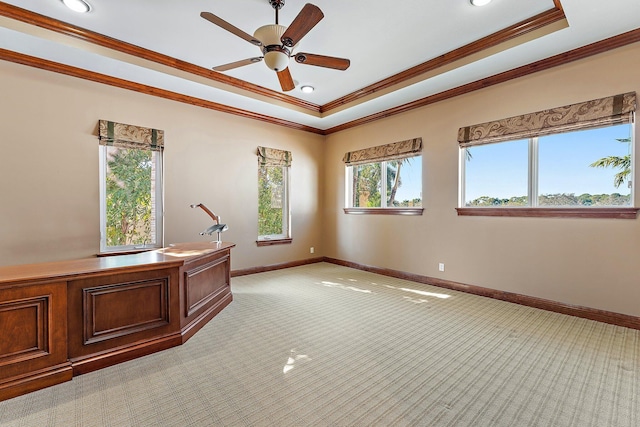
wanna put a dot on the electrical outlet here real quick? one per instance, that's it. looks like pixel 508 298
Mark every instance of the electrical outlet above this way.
pixel 441 266
pixel 311 250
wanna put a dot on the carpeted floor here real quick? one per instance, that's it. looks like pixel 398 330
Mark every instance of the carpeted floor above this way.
pixel 324 345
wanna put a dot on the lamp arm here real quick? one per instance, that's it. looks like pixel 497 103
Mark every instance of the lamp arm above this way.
pixel 215 217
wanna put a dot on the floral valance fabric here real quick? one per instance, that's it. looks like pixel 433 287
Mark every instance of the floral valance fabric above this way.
pixel 130 136
pixel 273 157
pixel 598 112
pixel 393 151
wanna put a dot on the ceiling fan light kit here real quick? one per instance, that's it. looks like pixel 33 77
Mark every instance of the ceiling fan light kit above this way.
pixel 278 42
pixel 276 57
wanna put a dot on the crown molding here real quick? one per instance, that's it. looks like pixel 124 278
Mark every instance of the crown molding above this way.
pixel 32 18
pixel 513 32
pixel 536 23
pixel 602 46
pixel 43 64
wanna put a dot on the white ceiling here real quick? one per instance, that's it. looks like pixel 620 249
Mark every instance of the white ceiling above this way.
pixel 381 38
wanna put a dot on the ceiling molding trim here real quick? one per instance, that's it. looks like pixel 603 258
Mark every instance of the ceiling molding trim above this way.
pixel 32 18
pixel 602 46
pixel 520 29
pixel 526 26
pixel 56 67
pixel 611 43
pixel 558 5
pixel 517 30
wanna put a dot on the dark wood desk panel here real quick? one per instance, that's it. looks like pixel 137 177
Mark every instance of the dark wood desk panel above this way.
pixel 33 343
pixel 120 317
pixel 66 318
pixel 206 290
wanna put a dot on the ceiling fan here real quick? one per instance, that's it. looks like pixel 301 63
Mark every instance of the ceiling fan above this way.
pixel 277 43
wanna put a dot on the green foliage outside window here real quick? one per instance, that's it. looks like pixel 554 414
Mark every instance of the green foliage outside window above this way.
pixel 128 197
pixel 560 199
pixel 617 162
pixel 271 202
pixel 368 184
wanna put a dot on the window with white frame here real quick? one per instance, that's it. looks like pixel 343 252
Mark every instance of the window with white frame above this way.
pixel 384 177
pixel 578 156
pixel 130 187
pixel 273 195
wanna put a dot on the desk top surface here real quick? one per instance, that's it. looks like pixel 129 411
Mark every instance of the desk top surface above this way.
pixel 173 255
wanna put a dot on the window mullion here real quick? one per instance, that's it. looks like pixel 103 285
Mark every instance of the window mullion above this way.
pixel 462 163
pixel 533 172
pixel 103 203
pixel 632 153
pixel 349 189
pixel 383 184
pixel 286 212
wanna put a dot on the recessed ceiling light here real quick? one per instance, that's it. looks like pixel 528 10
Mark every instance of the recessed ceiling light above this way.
pixel 480 2
pixel 307 89
pixel 79 6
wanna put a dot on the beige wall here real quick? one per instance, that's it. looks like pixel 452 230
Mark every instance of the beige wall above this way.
pixel 587 262
pixel 49 185
pixel 49 194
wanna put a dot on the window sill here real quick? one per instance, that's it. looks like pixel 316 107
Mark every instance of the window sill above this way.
pixel 384 211
pixel 273 242
pixel 125 252
pixel 618 213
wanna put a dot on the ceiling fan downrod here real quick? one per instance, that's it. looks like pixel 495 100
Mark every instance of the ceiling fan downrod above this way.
pixel 277 5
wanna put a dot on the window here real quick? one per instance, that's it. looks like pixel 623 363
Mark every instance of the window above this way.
pixel 273 196
pixel 130 187
pixel 588 168
pixel 385 178
pixel 398 180
pixel 573 157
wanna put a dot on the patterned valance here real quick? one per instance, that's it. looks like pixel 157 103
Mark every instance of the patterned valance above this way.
pixel 598 112
pixel 273 157
pixel 393 151
pixel 130 136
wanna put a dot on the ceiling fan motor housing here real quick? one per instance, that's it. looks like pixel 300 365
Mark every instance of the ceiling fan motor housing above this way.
pixel 276 56
pixel 276 4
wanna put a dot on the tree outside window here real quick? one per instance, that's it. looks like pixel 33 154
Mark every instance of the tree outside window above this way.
pixel 273 196
pixel 271 201
pixel 129 197
pixel 399 180
pixel 130 187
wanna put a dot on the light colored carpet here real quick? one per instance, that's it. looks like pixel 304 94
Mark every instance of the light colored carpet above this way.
pixel 325 345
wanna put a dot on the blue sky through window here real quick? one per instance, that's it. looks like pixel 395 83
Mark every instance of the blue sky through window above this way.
pixel 500 170
pixel 411 178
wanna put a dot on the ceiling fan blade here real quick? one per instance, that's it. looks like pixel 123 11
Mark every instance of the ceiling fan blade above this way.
pixel 308 17
pixel 286 81
pixel 237 64
pixel 322 61
pixel 232 29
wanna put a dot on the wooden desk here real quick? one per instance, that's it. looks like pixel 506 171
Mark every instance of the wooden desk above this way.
pixel 67 318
